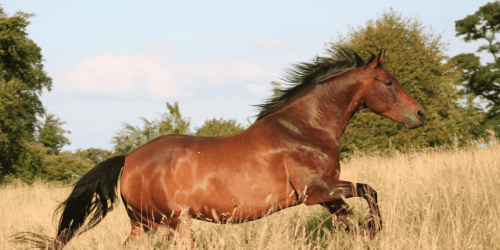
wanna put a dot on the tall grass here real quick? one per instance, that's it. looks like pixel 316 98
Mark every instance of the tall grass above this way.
pixel 446 198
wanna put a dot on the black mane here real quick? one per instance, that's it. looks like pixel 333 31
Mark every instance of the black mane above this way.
pixel 301 75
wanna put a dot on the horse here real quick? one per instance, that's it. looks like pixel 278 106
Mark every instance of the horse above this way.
pixel 289 155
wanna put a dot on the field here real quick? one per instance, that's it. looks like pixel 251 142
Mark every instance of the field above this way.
pixel 447 198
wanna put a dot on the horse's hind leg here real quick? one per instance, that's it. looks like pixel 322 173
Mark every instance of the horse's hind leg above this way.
pixel 137 231
pixel 139 228
pixel 182 226
pixel 140 225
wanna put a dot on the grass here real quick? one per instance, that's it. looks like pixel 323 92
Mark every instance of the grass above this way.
pixel 447 198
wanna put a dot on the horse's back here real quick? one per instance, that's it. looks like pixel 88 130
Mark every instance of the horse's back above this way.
pixel 180 147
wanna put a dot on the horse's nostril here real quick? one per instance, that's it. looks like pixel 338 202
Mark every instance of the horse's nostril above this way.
pixel 420 114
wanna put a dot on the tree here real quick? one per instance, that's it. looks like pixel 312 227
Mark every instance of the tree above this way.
pixel 219 127
pixel 130 137
pixel 35 162
pixel 22 80
pixel 51 134
pixel 415 57
pixel 29 164
pixel 64 166
pixel 93 155
pixel 482 80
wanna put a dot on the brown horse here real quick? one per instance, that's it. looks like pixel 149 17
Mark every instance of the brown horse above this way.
pixel 289 156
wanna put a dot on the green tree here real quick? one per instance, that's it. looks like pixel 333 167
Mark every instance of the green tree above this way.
pixel 93 155
pixel 415 56
pixel 22 80
pixel 64 166
pixel 130 137
pixel 219 127
pixel 482 80
pixel 51 134
pixel 29 164
pixel 35 162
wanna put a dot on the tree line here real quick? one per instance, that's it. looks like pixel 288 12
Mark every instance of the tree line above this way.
pixel 31 139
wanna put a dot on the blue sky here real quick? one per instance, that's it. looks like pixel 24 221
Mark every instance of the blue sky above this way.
pixel 115 61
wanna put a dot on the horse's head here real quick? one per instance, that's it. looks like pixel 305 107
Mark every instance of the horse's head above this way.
pixel 382 94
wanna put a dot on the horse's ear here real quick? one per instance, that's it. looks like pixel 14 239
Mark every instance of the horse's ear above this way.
pixel 378 60
pixel 381 58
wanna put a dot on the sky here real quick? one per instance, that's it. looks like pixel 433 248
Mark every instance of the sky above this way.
pixel 113 62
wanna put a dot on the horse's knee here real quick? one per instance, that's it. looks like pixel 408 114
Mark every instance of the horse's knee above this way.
pixel 366 191
pixel 339 207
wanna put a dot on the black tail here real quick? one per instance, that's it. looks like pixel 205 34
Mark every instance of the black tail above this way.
pixel 89 202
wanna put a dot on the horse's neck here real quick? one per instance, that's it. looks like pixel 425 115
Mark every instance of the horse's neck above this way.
pixel 324 111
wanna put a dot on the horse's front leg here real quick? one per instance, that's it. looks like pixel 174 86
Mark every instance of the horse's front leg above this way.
pixel 333 198
pixel 342 212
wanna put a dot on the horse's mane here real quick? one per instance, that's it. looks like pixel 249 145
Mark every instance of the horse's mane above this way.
pixel 301 75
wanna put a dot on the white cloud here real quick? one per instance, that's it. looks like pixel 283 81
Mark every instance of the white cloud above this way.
pixel 109 74
pixel 157 74
pixel 272 43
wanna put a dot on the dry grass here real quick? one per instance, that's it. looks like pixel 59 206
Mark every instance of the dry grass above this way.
pixel 429 199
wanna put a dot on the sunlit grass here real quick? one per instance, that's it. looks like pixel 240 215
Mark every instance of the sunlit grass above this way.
pixel 446 198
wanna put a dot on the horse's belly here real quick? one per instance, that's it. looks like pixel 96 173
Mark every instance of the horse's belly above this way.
pixel 238 196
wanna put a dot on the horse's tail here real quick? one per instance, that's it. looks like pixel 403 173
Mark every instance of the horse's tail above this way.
pixel 89 202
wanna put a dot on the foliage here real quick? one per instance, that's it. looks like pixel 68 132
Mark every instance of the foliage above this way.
pixel 64 167
pixel 51 134
pixel 35 162
pixel 29 164
pixel 22 80
pixel 414 58
pixel 93 155
pixel 219 127
pixel 482 80
pixel 130 137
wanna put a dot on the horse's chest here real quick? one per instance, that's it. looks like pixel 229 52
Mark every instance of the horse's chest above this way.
pixel 310 165
pixel 312 158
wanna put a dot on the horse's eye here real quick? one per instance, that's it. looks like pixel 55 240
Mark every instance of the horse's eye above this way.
pixel 389 83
